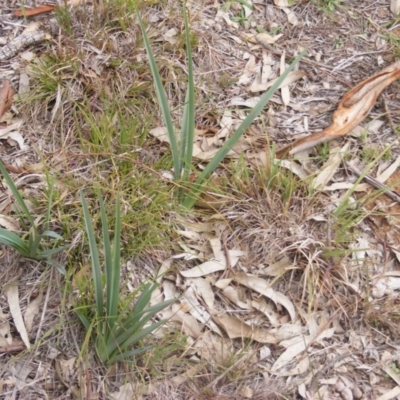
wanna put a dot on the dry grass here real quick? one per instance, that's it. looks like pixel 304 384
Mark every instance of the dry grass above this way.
pixel 86 121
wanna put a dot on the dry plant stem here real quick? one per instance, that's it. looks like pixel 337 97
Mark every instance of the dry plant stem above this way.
pixel 46 302
pixel 373 182
pixel 217 379
pixel 352 109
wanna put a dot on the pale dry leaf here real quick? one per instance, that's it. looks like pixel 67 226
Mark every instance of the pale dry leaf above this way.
pixel 216 247
pixel 75 3
pixel 23 85
pixel 246 392
pixel 395 7
pixel 293 20
pixel 267 63
pixel 160 133
pixel 248 8
pixel 213 348
pixel 330 167
pixel 371 127
pixel 170 36
pixel 385 175
pixel 203 288
pixel 391 394
pixel 19 374
pixel 248 72
pixel 285 93
pixel 198 311
pixel 223 15
pixel 5 330
pixel 278 268
pixel 268 310
pixel 125 392
pixel 298 347
pixel 190 373
pixel 9 223
pixel 235 329
pixel 205 268
pixel 57 103
pixel 32 27
pixel 187 323
pixel 170 290
pixel 263 287
pixel 31 312
pixel 267 38
pixel 292 77
pixel 293 167
pixel 288 331
pixel 300 368
pixel 17 123
pixel 282 3
pixel 15 310
pixel 223 283
pixel 226 126
pixel 385 286
pixel 67 370
pixel 192 235
pixel 250 102
pixel 232 295
pixel 156 294
pixel 362 187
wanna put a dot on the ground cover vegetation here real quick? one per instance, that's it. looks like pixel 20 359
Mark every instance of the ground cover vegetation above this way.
pixel 153 246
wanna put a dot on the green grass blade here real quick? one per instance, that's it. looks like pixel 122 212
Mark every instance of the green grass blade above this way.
pixel 17 195
pixel 113 285
pixel 135 324
pixel 197 188
pixel 48 253
pixel 49 203
pixel 94 255
pixel 145 315
pixel 83 319
pixel 188 121
pixel 107 252
pixel 34 242
pixel 144 297
pixel 124 356
pixel 13 240
pixel 133 339
pixel 52 234
pixel 163 102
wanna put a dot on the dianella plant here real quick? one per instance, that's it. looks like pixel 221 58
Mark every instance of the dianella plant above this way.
pixel 182 147
pixel 117 334
pixel 36 242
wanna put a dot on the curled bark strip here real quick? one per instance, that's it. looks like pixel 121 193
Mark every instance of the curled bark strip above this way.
pixel 352 109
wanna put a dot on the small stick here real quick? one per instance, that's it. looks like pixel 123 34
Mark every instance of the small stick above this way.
pixel 373 182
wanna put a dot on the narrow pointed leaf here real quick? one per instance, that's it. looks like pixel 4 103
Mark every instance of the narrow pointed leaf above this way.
pixel 188 121
pixel 113 285
pixel 163 102
pixel 94 255
pixel 17 195
pixel 131 353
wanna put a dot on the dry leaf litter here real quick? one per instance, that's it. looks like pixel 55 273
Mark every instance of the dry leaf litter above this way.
pixel 256 275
